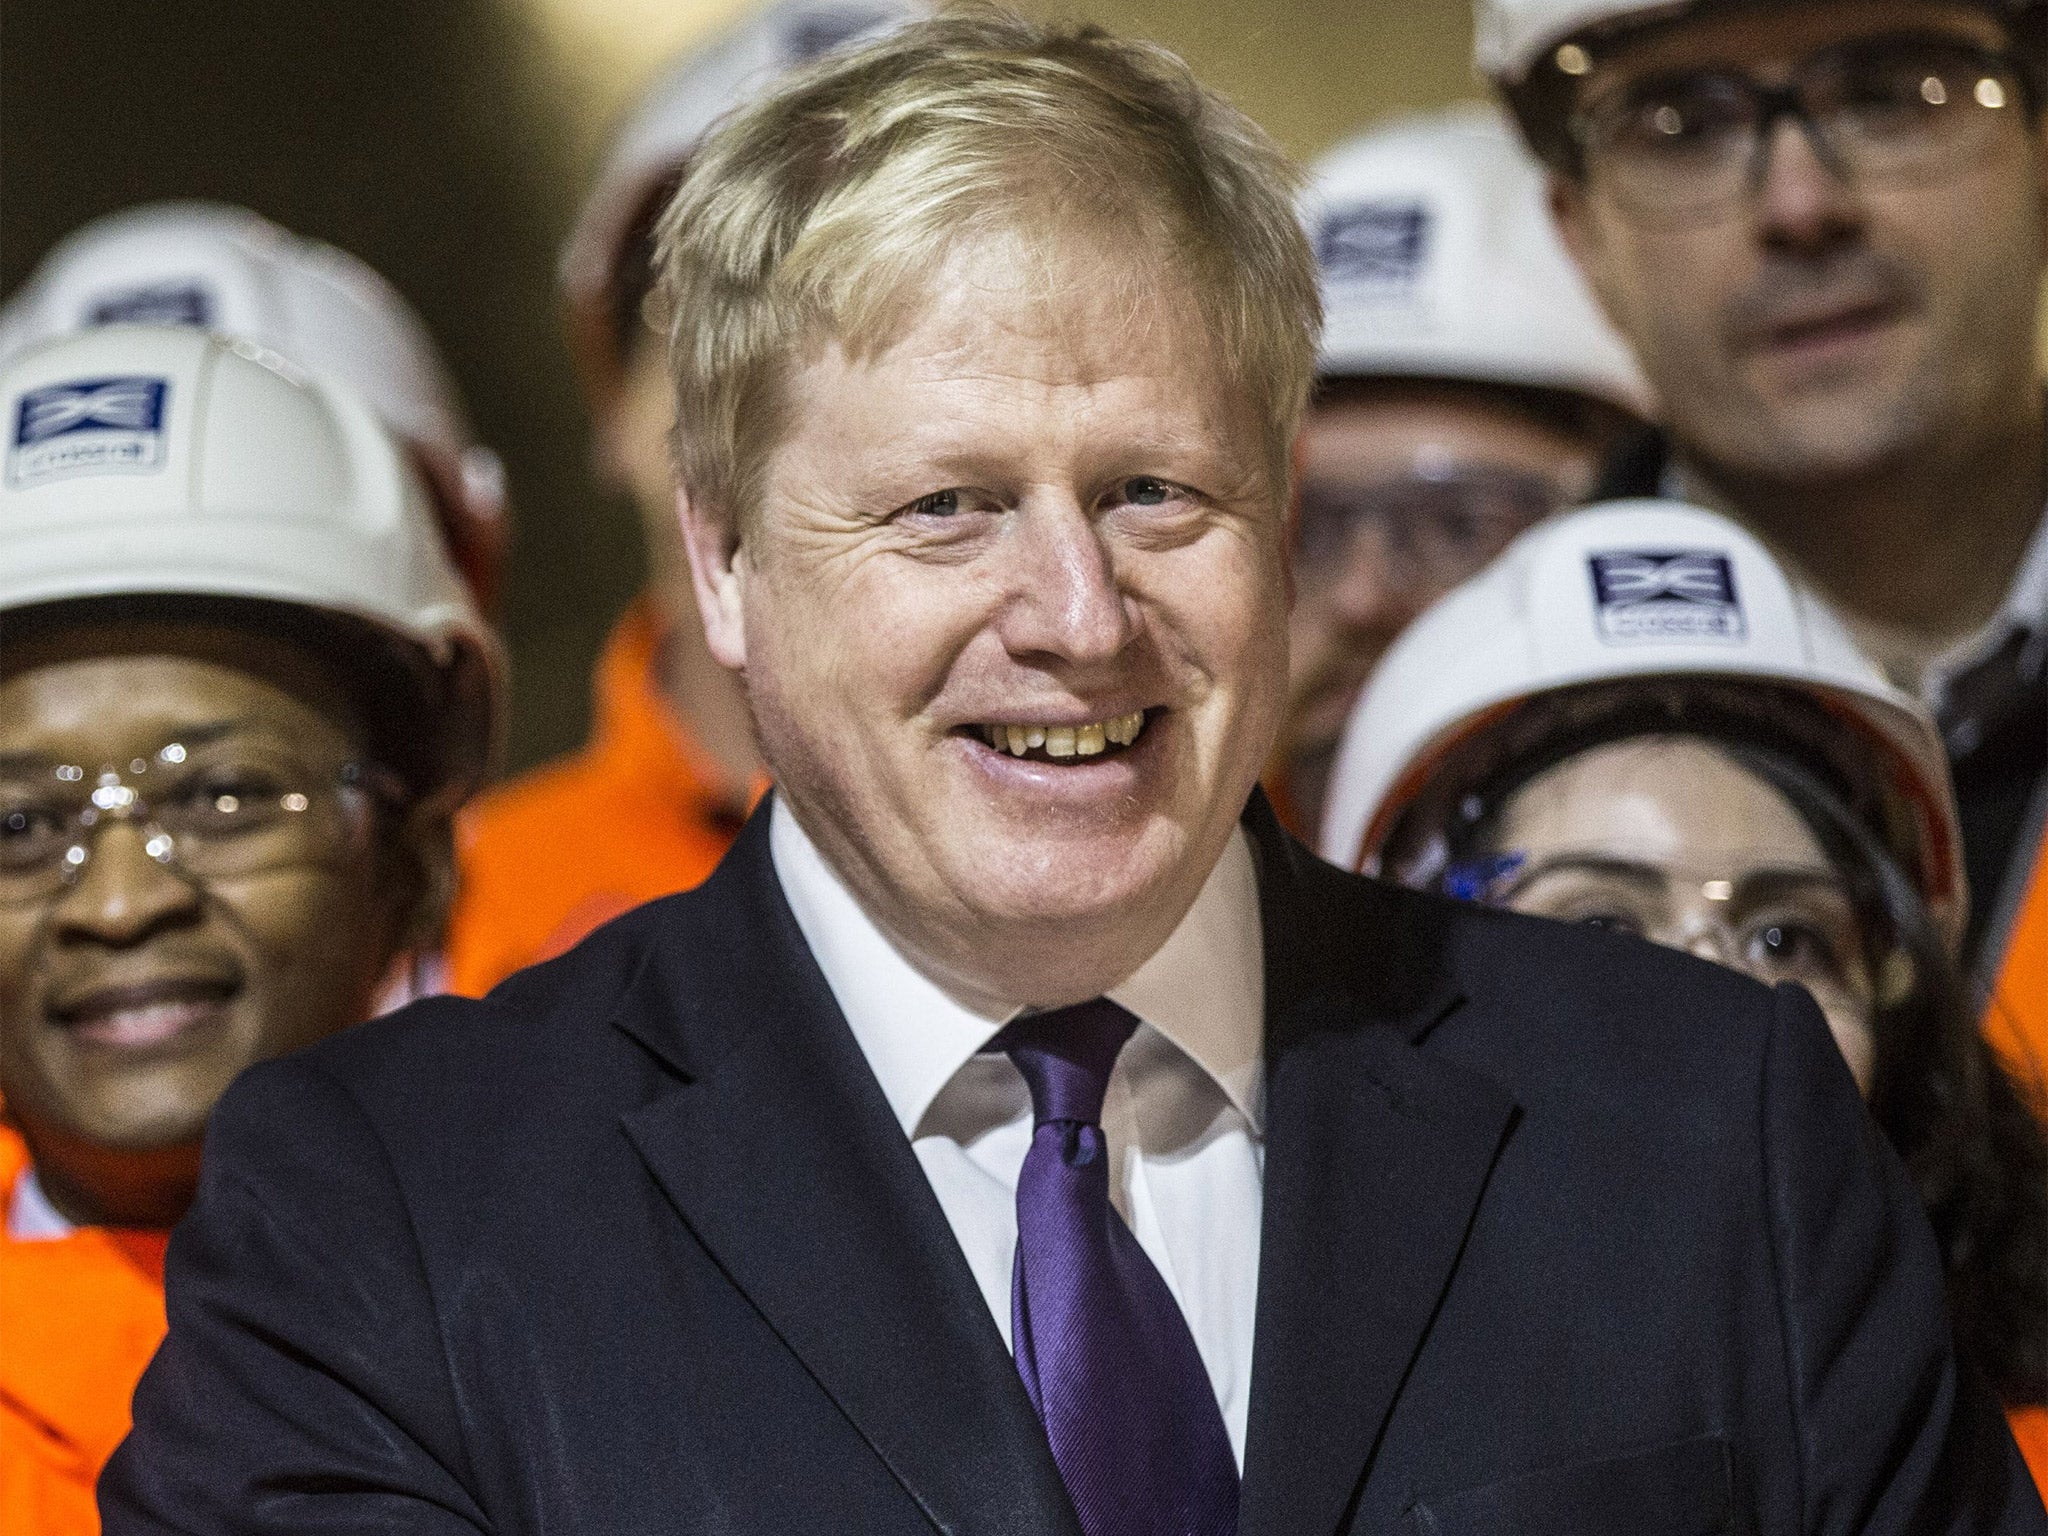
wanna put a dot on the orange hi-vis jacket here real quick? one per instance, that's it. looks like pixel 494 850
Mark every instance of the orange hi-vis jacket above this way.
pixel 640 812
pixel 80 1315
pixel 2017 1020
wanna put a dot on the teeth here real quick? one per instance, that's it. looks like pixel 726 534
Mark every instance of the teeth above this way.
pixel 1066 740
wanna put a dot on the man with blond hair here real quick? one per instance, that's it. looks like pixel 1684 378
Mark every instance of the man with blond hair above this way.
pixel 1018 1133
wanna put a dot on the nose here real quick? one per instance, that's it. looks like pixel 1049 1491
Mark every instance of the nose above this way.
pixel 123 896
pixel 1062 599
pixel 1369 590
pixel 1703 934
pixel 1804 199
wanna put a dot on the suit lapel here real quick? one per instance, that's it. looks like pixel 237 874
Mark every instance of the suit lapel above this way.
pixel 781 1154
pixel 1377 1154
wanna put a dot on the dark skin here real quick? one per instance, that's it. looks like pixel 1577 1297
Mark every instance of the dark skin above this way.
pixel 1835 361
pixel 131 997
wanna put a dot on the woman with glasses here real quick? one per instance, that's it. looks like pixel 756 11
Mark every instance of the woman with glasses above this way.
pixel 1823 227
pixel 1466 387
pixel 242 690
pixel 1636 721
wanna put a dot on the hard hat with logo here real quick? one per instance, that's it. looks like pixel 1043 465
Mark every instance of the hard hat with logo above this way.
pixel 166 466
pixel 658 138
pixel 1512 37
pixel 225 269
pixel 1667 599
pixel 1438 259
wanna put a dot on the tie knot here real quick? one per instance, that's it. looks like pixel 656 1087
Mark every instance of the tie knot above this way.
pixel 1066 1057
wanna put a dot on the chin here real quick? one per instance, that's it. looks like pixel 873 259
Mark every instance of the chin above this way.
pixel 1074 880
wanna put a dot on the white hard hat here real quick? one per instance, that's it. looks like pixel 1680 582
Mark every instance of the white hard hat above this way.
pixel 226 269
pixel 1643 591
pixel 149 461
pixel 657 139
pixel 1439 259
pixel 1509 37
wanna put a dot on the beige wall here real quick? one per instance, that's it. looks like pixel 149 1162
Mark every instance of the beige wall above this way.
pixel 1310 70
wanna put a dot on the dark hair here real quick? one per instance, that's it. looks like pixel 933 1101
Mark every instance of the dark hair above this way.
pixel 1972 1137
pixel 1972 1142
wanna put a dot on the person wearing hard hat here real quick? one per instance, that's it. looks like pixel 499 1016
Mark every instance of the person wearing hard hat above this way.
pixel 653 799
pixel 1823 227
pixel 225 269
pixel 1467 387
pixel 242 690
pixel 1636 720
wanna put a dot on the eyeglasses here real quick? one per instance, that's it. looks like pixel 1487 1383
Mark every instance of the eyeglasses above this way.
pixel 1433 526
pixel 212 813
pixel 1682 146
pixel 1776 924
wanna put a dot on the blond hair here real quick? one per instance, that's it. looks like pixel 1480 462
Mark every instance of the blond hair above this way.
pixel 824 210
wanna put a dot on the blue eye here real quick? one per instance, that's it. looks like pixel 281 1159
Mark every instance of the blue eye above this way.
pixel 937 504
pixel 1146 491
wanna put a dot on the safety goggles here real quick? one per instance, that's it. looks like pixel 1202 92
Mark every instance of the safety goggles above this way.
pixel 1431 526
pixel 1775 924
pixel 1683 146
pixel 211 812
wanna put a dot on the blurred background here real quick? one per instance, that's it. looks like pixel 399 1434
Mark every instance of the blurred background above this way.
pixel 449 142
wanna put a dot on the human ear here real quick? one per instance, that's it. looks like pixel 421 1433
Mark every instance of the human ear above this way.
pixel 718 576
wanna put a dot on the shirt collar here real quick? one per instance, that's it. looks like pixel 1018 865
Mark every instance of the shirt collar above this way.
pixel 2025 611
pixel 1203 989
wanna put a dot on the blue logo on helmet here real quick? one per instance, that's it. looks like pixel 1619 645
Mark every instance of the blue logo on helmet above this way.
pixel 162 304
pixel 1676 595
pixel 87 427
pixel 1375 244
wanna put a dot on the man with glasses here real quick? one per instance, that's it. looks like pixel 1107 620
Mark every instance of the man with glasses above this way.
pixel 242 690
pixel 1823 227
pixel 1467 387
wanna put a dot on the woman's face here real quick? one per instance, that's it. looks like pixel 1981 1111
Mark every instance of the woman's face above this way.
pixel 216 894
pixel 1668 838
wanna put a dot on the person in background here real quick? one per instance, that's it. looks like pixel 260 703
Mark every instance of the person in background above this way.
pixel 1019 1133
pixel 1467 386
pixel 225 269
pixel 1823 228
pixel 1634 719
pixel 242 690
pixel 658 792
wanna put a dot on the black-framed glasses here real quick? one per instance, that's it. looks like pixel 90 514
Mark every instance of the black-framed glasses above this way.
pixel 1432 526
pixel 210 812
pixel 1685 144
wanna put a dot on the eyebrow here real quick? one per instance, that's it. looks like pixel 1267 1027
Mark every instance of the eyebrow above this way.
pixel 190 736
pixel 1758 883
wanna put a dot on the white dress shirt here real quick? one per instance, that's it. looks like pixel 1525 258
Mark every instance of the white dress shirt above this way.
pixel 1184 1117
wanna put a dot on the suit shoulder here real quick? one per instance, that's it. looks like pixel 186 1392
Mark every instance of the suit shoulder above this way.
pixel 1544 996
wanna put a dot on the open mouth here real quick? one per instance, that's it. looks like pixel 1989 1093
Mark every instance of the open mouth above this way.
pixel 1067 744
pixel 143 1013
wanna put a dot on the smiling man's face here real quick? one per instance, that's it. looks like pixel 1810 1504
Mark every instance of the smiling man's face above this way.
pixel 1818 327
pixel 1012 612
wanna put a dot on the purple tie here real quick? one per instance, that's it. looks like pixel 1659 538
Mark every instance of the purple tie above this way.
pixel 1106 1357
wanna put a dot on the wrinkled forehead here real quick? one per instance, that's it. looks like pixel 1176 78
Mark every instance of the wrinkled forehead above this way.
pixel 1770 37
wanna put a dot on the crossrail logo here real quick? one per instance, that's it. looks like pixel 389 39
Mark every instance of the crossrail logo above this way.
pixel 87 427
pixel 1665 595
pixel 160 304
pixel 1378 245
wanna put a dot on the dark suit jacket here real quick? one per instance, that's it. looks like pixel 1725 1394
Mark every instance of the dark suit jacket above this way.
pixel 1562 1233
